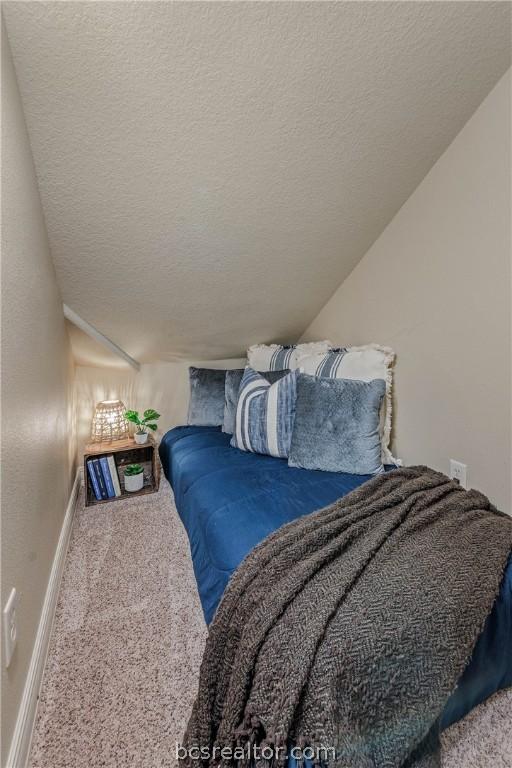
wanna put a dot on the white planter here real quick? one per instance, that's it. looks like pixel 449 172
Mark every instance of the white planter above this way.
pixel 133 482
pixel 141 437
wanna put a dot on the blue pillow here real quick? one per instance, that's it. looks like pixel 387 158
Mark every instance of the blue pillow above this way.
pixel 265 414
pixel 206 406
pixel 233 379
pixel 336 425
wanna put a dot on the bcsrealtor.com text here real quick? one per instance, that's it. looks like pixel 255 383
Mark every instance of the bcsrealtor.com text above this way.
pixel 268 752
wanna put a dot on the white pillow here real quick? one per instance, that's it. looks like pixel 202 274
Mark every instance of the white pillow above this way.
pixel 365 364
pixel 277 357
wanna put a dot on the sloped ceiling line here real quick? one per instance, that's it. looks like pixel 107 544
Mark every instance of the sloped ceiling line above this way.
pixel 93 332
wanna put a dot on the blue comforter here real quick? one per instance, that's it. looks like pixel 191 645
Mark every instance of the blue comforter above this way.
pixel 230 500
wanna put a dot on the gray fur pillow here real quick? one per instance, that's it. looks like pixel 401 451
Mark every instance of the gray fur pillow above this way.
pixel 336 426
pixel 206 406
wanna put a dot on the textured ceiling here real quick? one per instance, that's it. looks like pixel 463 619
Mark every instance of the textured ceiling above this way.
pixel 210 172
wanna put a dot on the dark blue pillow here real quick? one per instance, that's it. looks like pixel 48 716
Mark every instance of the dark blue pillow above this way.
pixel 206 407
pixel 336 425
pixel 233 379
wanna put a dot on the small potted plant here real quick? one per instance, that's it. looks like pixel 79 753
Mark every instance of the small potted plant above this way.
pixel 147 422
pixel 133 477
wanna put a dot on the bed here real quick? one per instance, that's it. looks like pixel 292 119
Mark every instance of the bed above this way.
pixel 229 501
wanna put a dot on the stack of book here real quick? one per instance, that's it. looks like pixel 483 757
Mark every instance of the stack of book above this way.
pixel 104 478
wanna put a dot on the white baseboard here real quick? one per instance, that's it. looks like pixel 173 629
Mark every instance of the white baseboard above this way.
pixel 22 737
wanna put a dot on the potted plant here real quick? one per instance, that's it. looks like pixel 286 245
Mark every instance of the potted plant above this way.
pixel 133 477
pixel 143 424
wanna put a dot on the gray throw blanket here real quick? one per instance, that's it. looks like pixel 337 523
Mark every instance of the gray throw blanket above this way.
pixel 348 629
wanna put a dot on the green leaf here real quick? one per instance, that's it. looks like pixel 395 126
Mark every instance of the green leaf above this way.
pixel 132 416
pixel 133 469
pixel 152 426
pixel 151 414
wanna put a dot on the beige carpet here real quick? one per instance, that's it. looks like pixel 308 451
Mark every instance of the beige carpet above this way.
pixel 126 648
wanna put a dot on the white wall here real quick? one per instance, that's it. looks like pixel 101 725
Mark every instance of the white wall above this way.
pixel 37 421
pixel 436 286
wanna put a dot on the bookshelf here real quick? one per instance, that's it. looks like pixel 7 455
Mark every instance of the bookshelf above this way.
pixel 124 452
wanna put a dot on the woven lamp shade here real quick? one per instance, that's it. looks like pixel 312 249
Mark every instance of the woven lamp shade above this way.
pixel 108 422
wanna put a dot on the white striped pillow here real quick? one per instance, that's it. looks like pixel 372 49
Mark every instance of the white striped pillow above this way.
pixel 276 357
pixel 265 414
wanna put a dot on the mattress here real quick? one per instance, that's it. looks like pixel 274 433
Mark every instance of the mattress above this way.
pixel 230 500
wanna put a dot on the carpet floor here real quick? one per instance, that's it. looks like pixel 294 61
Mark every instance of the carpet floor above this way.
pixel 126 647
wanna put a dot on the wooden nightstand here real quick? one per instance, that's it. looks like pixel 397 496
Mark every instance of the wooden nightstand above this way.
pixel 124 452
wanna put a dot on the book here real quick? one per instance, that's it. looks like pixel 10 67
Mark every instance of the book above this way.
pixel 94 481
pixel 106 476
pixel 99 478
pixel 114 475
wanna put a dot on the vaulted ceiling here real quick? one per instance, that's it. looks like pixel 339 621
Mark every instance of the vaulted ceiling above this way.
pixel 210 172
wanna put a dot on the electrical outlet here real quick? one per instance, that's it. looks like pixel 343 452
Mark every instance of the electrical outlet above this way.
pixel 459 472
pixel 10 626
